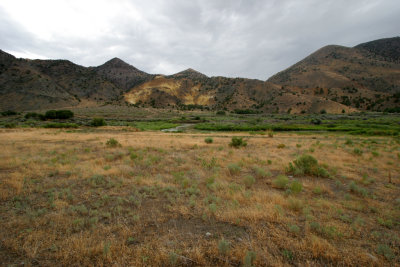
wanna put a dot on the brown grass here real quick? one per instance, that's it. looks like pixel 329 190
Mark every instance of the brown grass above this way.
pixel 68 199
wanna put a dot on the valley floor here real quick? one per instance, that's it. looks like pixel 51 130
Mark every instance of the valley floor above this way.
pixel 116 197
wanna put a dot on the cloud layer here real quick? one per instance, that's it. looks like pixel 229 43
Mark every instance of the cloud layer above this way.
pixel 234 38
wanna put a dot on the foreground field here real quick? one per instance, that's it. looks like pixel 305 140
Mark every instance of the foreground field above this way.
pixel 111 196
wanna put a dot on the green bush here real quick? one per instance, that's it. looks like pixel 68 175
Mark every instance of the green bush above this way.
pixel 386 251
pixel 349 142
pixel 249 180
pixel 260 172
pixel 233 168
pixel 357 151
pixel 221 112
pixel 294 228
pixel 34 115
pixel 208 140
pixel 223 247
pixel 10 125
pixel 281 146
pixel 112 143
pixel 59 114
pixel 296 187
pixel 281 182
pixel 358 190
pixel 249 259
pixel 237 142
pixel 307 164
pixel 96 122
pixel 9 113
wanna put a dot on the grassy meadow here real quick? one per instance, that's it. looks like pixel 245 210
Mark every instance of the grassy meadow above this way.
pixel 121 196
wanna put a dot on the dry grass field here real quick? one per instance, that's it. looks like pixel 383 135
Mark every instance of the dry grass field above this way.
pixel 115 197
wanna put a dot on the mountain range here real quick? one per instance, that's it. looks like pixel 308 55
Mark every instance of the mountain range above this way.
pixel 333 79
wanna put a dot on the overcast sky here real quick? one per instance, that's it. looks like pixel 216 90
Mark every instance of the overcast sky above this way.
pixel 249 38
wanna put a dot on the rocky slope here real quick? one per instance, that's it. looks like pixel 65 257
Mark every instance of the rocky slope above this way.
pixel 366 76
pixel 334 79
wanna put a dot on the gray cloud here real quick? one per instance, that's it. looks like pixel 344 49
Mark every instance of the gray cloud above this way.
pixel 252 39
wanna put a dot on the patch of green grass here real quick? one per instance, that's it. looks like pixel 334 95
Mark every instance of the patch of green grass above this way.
pixel 357 151
pixel 293 228
pixel 249 259
pixel 154 125
pixel 386 251
pixel 358 189
pixel 60 125
pixel 223 247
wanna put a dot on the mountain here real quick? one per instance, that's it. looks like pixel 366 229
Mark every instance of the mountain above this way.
pixel 366 76
pixel 122 74
pixel 40 84
pixel 334 79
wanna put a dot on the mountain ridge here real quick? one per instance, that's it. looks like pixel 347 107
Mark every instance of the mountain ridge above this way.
pixel 333 78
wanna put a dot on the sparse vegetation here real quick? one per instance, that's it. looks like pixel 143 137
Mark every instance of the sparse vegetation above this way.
pixel 237 142
pixel 112 143
pixel 58 114
pixel 307 165
pixel 208 140
pixel 97 122
pixel 79 197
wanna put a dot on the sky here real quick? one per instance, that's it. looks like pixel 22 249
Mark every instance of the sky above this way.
pixel 233 38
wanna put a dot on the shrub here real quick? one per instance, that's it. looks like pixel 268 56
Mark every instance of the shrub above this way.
pixel 223 246
pixel 8 113
pixel 249 259
pixel 221 112
pixel 294 228
pixel 260 172
pixel 295 204
pixel 249 181
pixel 296 187
pixel 112 143
pixel 64 114
pixel 386 251
pixel 316 121
pixel 307 164
pixel 237 142
pixel 34 115
pixel 357 151
pixel 358 190
pixel 281 146
pixel 208 140
pixel 233 168
pixel 10 125
pixel 281 182
pixel 349 142
pixel 58 114
pixel 270 134
pixel 96 122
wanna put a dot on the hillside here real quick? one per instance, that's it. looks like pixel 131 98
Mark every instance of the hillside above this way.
pixel 366 76
pixel 334 79
pixel 122 74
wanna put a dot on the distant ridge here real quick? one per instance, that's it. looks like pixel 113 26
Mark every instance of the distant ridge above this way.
pixel 334 79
